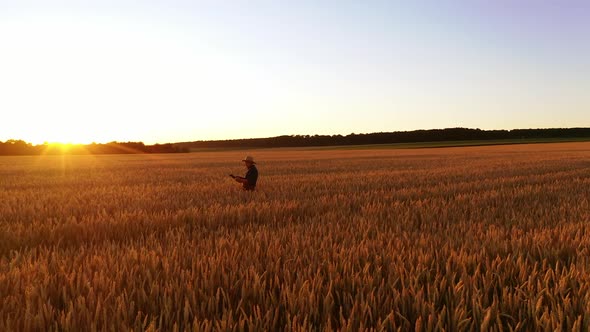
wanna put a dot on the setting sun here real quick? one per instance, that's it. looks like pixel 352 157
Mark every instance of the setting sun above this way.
pixel 84 127
pixel 57 134
pixel 58 147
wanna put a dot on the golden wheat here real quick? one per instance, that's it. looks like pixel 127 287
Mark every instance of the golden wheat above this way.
pixel 490 238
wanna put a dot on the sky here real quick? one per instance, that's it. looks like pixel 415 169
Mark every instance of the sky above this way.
pixel 173 71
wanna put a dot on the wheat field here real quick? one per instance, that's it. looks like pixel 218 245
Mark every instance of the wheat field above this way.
pixel 459 239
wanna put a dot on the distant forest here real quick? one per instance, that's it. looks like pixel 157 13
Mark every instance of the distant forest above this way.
pixel 18 147
pixel 416 136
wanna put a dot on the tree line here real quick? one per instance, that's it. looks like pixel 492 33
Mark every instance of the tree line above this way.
pixel 20 147
pixel 416 136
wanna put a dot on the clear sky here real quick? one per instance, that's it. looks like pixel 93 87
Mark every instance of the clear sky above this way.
pixel 168 71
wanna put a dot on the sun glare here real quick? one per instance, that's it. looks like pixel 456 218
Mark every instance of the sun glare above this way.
pixel 60 147
pixel 56 133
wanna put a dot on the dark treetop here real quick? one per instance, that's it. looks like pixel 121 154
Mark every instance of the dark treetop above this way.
pixel 432 135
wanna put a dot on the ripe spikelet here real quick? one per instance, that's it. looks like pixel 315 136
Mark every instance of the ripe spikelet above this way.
pixel 487 320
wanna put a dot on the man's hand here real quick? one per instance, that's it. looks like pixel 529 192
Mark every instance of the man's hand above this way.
pixel 238 178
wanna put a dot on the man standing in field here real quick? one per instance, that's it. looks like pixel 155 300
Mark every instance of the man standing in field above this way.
pixel 249 181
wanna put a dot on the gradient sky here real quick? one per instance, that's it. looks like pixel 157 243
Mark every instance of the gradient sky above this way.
pixel 168 71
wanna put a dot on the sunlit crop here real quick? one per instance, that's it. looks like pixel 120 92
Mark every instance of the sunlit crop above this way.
pixel 489 238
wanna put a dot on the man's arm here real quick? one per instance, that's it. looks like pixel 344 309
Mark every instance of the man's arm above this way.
pixel 239 179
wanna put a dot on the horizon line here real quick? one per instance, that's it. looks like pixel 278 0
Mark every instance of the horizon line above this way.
pixel 48 143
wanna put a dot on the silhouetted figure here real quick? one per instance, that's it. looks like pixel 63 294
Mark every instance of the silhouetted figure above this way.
pixel 249 180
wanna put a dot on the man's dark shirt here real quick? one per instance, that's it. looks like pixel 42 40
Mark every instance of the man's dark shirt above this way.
pixel 252 177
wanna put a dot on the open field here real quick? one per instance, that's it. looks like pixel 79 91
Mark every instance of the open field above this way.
pixel 473 238
pixel 452 144
pixel 418 145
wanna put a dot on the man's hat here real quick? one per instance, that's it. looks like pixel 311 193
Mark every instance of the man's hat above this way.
pixel 249 159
